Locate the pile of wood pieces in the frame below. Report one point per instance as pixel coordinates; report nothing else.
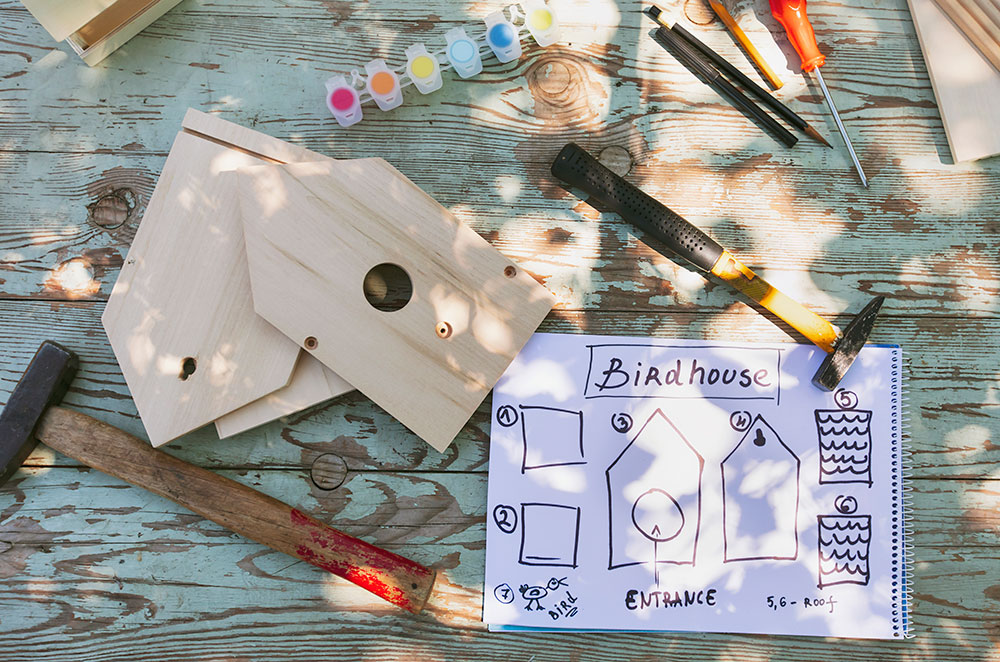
(257, 286)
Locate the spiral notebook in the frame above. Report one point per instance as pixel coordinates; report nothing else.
(650, 484)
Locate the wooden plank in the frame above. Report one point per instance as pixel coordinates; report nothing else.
(977, 25)
(112, 28)
(130, 569)
(316, 232)
(953, 429)
(311, 383)
(66, 220)
(180, 318)
(966, 85)
(63, 18)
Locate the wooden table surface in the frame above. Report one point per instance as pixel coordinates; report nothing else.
(91, 568)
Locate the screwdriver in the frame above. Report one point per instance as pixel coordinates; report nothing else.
(792, 16)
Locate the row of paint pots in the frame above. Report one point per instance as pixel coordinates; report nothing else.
(424, 68)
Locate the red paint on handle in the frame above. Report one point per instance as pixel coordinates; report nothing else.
(792, 16)
(392, 577)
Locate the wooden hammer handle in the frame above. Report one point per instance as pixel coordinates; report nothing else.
(237, 507)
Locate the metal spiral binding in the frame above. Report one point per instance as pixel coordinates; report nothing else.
(902, 547)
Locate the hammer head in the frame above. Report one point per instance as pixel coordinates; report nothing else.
(43, 384)
(837, 362)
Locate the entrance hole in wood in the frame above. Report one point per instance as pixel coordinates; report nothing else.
(188, 366)
(388, 287)
(311, 342)
(443, 329)
(510, 271)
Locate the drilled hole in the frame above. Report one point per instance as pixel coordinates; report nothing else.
(443, 329)
(311, 342)
(510, 271)
(387, 287)
(188, 366)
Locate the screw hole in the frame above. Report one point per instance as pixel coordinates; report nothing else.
(510, 271)
(443, 329)
(188, 366)
(311, 342)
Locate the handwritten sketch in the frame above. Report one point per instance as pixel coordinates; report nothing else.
(659, 517)
(504, 594)
(844, 545)
(550, 534)
(505, 518)
(654, 498)
(535, 594)
(760, 497)
(552, 437)
(845, 442)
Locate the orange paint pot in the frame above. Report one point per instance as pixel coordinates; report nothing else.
(383, 85)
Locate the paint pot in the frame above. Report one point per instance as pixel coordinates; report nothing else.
(502, 37)
(343, 101)
(463, 53)
(423, 69)
(383, 85)
(541, 22)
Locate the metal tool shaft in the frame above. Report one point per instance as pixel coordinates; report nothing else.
(840, 125)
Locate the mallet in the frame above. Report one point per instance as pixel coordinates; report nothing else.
(31, 414)
(577, 168)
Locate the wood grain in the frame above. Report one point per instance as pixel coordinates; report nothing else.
(91, 568)
(315, 232)
(310, 384)
(237, 507)
(180, 317)
(966, 81)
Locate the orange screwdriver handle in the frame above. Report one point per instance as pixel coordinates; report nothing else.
(792, 16)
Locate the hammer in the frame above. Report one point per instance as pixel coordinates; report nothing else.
(31, 415)
(577, 168)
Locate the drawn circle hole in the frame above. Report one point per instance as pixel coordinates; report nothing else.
(387, 287)
(188, 366)
(510, 271)
(657, 515)
(311, 342)
(443, 329)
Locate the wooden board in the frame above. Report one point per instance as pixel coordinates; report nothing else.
(62, 18)
(182, 300)
(966, 85)
(112, 28)
(311, 383)
(114, 568)
(314, 231)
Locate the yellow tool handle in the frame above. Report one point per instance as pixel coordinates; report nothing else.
(800, 318)
(744, 40)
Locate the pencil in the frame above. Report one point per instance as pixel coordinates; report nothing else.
(784, 111)
(689, 57)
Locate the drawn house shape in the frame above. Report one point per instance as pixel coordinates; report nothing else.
(845, 444)
(552, 437)
(760, 497)
(658, 461)
(844, 543)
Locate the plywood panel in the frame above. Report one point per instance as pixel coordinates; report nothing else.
(314, 231)
(966, 85)
(311, 383)
(180, 317)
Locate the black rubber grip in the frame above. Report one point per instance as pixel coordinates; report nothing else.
(577, 168)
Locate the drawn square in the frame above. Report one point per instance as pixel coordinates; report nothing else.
(549, 534)
(552, 437)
